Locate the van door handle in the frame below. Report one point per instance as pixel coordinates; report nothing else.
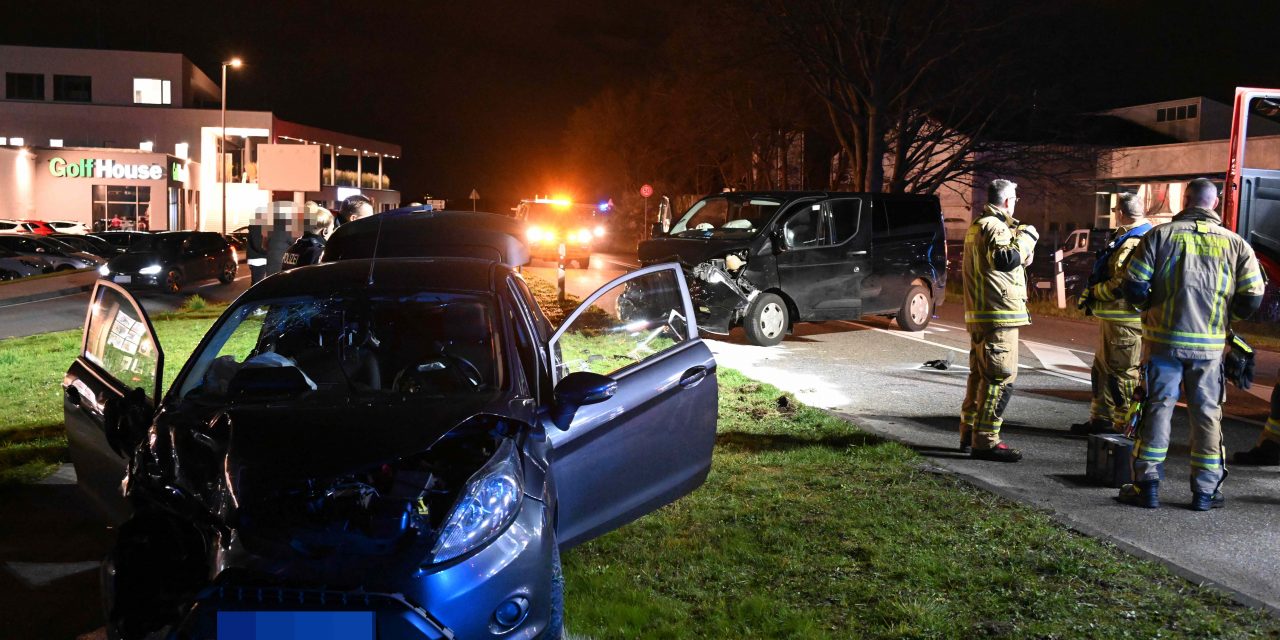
(693, 376)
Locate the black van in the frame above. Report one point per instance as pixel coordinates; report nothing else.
(768, 259)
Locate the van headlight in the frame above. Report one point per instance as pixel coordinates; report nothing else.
(486, 506)
(103, 270)
(150, 271)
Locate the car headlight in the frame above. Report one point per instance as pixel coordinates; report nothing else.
(104, 270)
(486, 506)
(150, 271)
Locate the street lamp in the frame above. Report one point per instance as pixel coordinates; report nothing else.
(222, 140)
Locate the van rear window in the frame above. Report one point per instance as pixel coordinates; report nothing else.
(912, 218)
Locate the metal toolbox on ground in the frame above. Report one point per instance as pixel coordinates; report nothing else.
(1109, 459)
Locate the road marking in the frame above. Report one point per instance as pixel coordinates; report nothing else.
(40, 574)
(904, 336)
(1055, 358)
(1084, 351)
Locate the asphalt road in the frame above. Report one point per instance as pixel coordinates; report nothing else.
(67, 312)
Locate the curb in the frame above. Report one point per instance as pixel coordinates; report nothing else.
(45, 295)
(1066, 520)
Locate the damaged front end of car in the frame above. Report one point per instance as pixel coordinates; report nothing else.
(260, 512)
(721, 291)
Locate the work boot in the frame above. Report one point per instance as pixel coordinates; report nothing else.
(1207, 501)
(999, 453)
(1141, 494)
(1091, 427)
(966, 443)
(1266, 454)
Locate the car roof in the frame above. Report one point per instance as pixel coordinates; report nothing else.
(421, 232)
(470, 275)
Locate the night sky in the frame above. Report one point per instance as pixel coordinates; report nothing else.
(478, 93)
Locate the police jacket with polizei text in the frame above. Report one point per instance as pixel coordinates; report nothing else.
(995, 284)
(1190, 276)
(1107, 296)
(305, 251)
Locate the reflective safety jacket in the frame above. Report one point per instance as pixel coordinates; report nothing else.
(1107, 296)
(995, 285)
(1190, 269)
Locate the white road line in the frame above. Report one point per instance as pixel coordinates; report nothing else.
(1084, 351)
(1055, 358)
(905, 336)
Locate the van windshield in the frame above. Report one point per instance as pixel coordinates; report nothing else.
(725, 216)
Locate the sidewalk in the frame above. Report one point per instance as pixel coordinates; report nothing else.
(46, 286)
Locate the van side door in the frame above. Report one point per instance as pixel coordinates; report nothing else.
(825, 256)
(907, 232)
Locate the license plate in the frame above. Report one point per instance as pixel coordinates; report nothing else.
(123, 279)
(1044, 285)
(295, 625)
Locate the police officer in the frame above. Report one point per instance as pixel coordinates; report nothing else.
(1267, 451)
(1119, 352)
(307, 250)
(354, 208)
(1190, 277)
(996, 250)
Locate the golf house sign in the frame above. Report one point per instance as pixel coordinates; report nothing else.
(110, 169)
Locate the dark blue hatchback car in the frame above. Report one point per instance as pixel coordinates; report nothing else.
(395, 447)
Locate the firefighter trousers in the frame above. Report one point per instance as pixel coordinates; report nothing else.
(1115, 372)
(1204, 385)
(993, 366)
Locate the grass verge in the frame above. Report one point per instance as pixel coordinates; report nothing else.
(806, 527)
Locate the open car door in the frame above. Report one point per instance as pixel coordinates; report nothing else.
(650, 442)
(110, 393)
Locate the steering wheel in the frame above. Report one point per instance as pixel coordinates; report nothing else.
(455, 369)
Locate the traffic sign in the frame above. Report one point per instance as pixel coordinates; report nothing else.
(475, 195)
(646, 191)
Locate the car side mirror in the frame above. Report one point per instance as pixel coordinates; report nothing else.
(779, 239)
(579, 389)
(125, 420)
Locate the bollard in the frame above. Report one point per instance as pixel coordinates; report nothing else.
(560, 276)
(1059, 279)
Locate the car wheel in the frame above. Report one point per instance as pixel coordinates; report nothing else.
(555, 622)
(916, 309)
(172, 281)
(767, 320)
(228, 274)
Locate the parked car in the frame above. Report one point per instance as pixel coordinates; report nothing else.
(62, 256)
(766, 260)
(87, 244)
(404, 442)
(11, 226)
(170, 259)
(69, 226)
(14, 265)
(37, 227)
(1076, 270)
(121, 240)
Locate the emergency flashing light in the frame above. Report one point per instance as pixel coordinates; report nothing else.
(604, 206)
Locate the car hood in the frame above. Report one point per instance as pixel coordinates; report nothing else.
(688, 251)
(284, 443)
(133, 261)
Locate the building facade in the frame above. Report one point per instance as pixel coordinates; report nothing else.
(73, 122)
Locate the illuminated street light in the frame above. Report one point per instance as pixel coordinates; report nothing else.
(222, 140)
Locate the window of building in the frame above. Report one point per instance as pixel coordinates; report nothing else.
(1160, 113)
(1170, 114)
(1191, 111)
(152, 91)
(24, 86)
(73, 88)
(118, 207)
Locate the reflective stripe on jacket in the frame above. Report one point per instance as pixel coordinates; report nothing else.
(1108, 296)
(993, 298)
(1193, 266)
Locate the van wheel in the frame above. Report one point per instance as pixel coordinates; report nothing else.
(767, 320)
(916, 308)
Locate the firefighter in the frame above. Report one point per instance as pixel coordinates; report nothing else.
(1190, 277)
(1267, 451)
(308, 248)
(1119, 352)
(996, 250)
